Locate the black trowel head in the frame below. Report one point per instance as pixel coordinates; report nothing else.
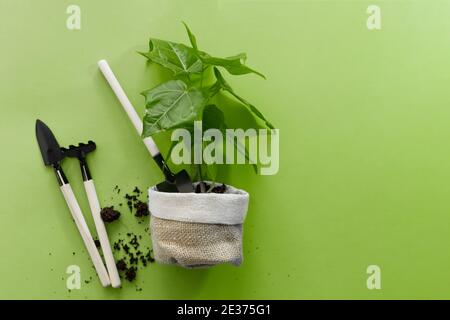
(181, 183)
(50, 150)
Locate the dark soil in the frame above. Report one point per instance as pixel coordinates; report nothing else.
(132, 255)
(128, 247)
(133, 198)
(221, 188)
(108, 214)
(130, 274)
(141, 209)
(121, 265)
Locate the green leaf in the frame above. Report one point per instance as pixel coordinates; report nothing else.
(214, 89)
(171, 105)
(179, 58)
(172, 145)
(213, 117)
(225, 86)
(243, 150)
(234, 65)
(191, 36)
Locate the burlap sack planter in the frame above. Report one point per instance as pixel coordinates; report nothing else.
(197, 229)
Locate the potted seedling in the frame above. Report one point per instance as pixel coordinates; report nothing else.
(201, 226)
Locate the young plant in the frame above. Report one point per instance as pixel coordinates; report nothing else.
(190, 95)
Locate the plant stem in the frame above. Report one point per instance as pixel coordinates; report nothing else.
(199, 167)
(202, 186)
(213, 184)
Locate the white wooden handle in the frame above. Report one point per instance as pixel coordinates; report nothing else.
(85, 234)
(101, 232)
(127, 106)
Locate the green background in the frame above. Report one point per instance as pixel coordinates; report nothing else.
(364, 155)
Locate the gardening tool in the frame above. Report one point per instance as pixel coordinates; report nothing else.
(179, 182)
(52, 156)
(80, 152)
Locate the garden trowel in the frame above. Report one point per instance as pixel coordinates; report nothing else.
(178, 182)
(52, 156)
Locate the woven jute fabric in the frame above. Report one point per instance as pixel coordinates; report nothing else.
(195, 244)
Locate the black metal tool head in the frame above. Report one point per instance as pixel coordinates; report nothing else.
(80, 151)
(181, 183)
(167, 186)
(50, 150)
